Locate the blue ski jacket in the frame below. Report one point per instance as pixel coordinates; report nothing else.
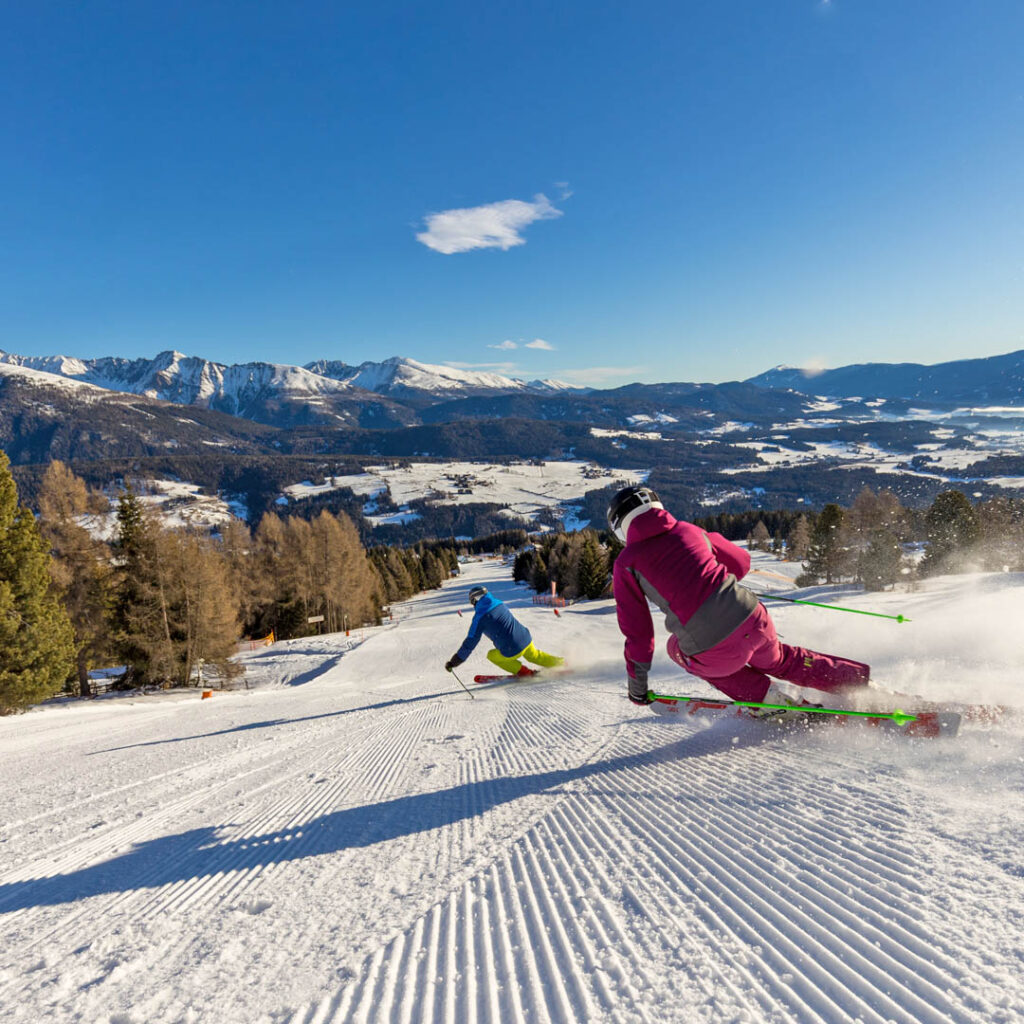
(492, 618)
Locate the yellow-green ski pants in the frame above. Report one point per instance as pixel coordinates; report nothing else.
(531, 654)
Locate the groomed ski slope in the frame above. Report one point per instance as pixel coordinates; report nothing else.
(357, 840)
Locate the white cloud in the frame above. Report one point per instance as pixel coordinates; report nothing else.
(541, 344)
(494, 226)
(506, 346)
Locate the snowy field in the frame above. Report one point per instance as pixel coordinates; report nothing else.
(528, 489)
(854, 455)
(521, 488)
(995, 431)
(355, 839)
(178, 505)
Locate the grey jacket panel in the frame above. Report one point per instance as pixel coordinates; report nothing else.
(717, 618)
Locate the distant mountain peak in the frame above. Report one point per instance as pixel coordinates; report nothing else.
(977, 381)
(399, 375)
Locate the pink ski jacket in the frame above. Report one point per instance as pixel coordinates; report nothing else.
(691, 575)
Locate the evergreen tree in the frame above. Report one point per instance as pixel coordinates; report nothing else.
(952, 530)
(36, 638)
(827, 558)
(879, 564)
(415, 570)
(141, 608)
(563, 563)
(539, 579)
(1000, 542)
(799, 541)
(452, 559)
(593, 569)
(614, 546)
(433, 570)
(522, 567)
(400, 585)
(872, 526)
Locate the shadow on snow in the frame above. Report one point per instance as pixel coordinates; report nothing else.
(270, 723)
(201, 852)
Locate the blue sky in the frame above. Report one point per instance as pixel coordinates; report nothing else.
(602, 192)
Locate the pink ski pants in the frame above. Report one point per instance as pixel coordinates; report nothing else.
(740, 665)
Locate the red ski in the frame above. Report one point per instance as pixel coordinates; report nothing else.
(507, 677)
(929, 724)
(983, 714)
(525, 675)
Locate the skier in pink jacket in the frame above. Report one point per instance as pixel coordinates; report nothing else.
(719, 631)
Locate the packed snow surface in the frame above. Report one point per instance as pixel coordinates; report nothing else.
(355, 839)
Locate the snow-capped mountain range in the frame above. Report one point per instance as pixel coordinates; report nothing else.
(386, 393)
(235, 389)
(778, 440)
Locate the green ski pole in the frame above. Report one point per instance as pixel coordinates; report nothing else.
(834, 607)
(897, 716)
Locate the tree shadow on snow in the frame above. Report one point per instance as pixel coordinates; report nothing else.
(202, 852)
(316, 672)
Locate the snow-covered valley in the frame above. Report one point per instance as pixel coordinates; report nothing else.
(354, 838)
(522, 489)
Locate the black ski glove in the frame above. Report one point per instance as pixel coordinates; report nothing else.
(452, 662)
(647, 698)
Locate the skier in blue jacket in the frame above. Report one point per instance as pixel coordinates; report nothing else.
(510, 637)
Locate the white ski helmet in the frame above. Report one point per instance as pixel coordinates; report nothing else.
(629, 503)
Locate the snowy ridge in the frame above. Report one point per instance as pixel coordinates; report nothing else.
(45, 378)
(185, 380)
(397, 375)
